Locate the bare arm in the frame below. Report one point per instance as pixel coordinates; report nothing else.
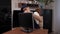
(37, 17)
(40, 20)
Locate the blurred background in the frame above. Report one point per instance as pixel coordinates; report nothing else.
(50, 12)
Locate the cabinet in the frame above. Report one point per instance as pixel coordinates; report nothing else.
(47, 19)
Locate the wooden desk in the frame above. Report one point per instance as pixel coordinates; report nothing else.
(39, 31)
(18, 31)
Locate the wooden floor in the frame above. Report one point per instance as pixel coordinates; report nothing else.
(18, 31)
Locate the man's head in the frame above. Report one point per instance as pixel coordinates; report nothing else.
(25, 7)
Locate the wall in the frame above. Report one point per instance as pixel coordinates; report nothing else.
(56, 17)
(15, 4)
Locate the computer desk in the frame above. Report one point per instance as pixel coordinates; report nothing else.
(17, 30)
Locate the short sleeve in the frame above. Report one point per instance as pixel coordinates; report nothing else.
(36, 13)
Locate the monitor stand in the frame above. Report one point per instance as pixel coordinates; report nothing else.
(27, 30)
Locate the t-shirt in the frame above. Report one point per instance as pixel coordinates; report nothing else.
(36, 13)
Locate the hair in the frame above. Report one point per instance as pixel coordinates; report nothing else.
(23, 6)
(38, 10)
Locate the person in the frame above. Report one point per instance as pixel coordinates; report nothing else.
(26, 9)
(38, 13)
(38, 10)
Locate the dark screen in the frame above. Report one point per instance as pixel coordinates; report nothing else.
(25, 20)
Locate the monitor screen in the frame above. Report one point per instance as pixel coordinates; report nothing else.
(26, 20)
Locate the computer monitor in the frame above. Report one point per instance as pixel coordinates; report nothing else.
(26, 20)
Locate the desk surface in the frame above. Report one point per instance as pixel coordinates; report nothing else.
(18, 31)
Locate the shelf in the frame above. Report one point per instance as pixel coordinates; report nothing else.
(30, 5)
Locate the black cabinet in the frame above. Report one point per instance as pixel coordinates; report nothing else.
(15, 18)
(5, 16)
(47, 19)
(5, 4)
